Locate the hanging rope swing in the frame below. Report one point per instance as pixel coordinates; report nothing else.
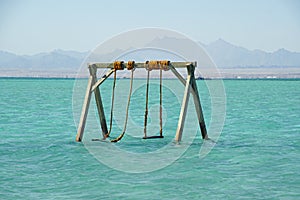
(149, 66)
(112, 103)
(118, 65)
(130, 66)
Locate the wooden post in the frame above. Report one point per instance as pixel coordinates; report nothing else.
(196, 98)
(184, 106)
(85, 109)
(198, 105)
(93, 72)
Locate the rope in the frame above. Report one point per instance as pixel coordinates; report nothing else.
(130, 66)
(112, 103)
(164, 64)
(146, 109)
(161, 65)
(160, 102)
(118, 65)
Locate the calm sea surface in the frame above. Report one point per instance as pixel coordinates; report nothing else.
(256, 157)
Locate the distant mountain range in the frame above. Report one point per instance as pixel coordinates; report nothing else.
(227, 55)
(224, 54)
(55, 60)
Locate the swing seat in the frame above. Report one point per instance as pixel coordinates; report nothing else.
(153, 137)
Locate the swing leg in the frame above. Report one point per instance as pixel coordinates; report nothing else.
(199, 110)
(183, 108)
(196, 98)
(99, 104)
(85, 109)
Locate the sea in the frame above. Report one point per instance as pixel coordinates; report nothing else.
(256, 154)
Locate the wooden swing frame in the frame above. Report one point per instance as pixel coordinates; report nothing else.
(189, 83)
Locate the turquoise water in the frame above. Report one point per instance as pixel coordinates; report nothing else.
(256, 157)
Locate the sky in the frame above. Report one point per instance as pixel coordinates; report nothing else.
(34, 26)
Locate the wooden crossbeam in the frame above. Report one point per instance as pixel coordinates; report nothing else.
(141, 65)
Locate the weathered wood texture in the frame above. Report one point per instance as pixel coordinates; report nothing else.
(196, 97)
(198, 107)
(84, 111)
(141, 65)
(93, 72)
(184, 106)
(100, 81)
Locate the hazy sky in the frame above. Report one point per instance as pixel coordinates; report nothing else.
(32, 26)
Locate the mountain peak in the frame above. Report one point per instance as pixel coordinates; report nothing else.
(282, 50)
(220, 40)
(220, 43)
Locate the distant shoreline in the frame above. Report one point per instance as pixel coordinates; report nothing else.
(202, 73)
(85, 78)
